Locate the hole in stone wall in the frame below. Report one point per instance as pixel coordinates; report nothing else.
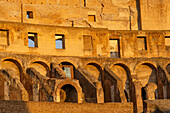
(141, 41)
(60, 41)
(114, 45)
(30, 14)
(92, 18)
(32, 40)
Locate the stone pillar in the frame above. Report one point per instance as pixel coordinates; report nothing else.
(138, 97)
(150, 91)
(99, 91)
(121, 91)
(36, 92)
(6, 90)
(55, 98)
(165, 91)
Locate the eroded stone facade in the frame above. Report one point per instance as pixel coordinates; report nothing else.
(86, 51)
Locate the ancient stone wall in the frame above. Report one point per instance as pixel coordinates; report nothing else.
(83, 41)
(51, 107)
(117, 15)
(151, 106)
(155, 14)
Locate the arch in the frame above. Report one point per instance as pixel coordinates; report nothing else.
(163, 74)
(167, 63)
(95, 63)
(43, 61)
(123, 72)
(146, 73)
(17, 63)
(149, 63)
(14, 59)
(74, 84)
(123, 64)
(42, 67)
(95, 69)
(69, 61)
(68, 93)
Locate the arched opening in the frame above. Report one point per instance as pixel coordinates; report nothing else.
(162, 83)
(96, 73)
(147, 75)
(86, 77)
(68, 93)
(119, 71)
(34, 88)
(95, 70)
(68, 68)
(15, 66)
(34, 84)
(40, 67)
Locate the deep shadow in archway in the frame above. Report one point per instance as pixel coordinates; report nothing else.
(68, 93)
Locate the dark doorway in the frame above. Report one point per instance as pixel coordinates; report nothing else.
(69, 94)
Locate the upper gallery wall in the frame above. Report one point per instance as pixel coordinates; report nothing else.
(155, 14)
(111, 14)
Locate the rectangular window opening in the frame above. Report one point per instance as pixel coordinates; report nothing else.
(30, 14)
(4, 38)
(92, 18)
(60, 41)
(32, 40)
(114, 45)
(142, 44)
(167, 43)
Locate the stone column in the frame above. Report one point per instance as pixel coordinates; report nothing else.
(168, 91)
(121, 91)
(36, 92)
(99, 91)
(150, 91)
(6, 90)
(138, 97)
(165, 91)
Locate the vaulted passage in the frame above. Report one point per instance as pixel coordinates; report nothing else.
(68, 94)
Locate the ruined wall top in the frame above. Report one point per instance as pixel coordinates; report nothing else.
(111, 14)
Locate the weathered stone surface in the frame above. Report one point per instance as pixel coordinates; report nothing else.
(51, 107)
(84, 51)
